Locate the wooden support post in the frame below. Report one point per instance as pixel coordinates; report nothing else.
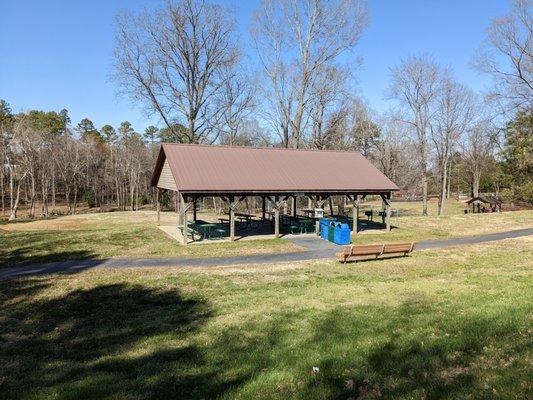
(264, 208)
(158, 205)
(294, 206)
(276, 221)
(194, 210)
(231, 219)
(386, 206)
(355, 215)
(387, 218)
(232, 207)
(277, 202)
(184, 207)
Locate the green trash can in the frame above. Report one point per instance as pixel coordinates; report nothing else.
(331, 230)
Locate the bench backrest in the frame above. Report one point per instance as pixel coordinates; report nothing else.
(398, 248)
(365, 250)
(378, 249)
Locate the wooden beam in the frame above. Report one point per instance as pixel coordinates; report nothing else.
(231, 220)
(386, 209)
(158, 205)
(355, 214)
(185, 205)
(277, 202)
(385, 199)
(387, 218)
(232, 207)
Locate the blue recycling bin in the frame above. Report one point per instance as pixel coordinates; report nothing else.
(324, 223)
(341, 234)
(331, 230)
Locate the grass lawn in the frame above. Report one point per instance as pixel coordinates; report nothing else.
(116, 234)
(134, 234)
(413, 227)
(453, 323)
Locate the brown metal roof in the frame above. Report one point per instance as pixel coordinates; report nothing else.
(224, 169)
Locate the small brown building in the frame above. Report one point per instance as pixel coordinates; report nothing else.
(273, 174)
(485, 204)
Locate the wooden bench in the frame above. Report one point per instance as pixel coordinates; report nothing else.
(373, 251)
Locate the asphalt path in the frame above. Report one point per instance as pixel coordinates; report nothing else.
(315, 249)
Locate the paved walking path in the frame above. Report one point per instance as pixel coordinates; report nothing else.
(316, 249)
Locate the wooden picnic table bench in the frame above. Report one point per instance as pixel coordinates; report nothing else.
(373, 251)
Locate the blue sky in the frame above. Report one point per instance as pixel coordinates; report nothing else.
(57, 54)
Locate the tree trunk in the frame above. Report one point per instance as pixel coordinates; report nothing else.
(75, 201)
(53, 189)
(443, 187)
(2, 190)
(424, 194)
(32, 199)
(15, 204)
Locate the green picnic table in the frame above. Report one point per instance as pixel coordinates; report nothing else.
(304, 226)
(208, 230)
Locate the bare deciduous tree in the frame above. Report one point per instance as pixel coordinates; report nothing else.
(478, 148)
(173, 61)
(236, 102)
(507, 56)
(415, 84)
(454, 114)
(297, 40)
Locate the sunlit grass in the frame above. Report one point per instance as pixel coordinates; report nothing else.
(135, 234)
(440, 324)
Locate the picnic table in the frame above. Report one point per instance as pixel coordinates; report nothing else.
(246, 218)
(209, 231)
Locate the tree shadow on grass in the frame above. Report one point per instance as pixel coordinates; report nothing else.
(402, 364)
(113, 340)
(130, 341)
(28, 248)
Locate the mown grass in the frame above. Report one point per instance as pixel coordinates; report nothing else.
(439, 324)
(416, 228)
(117, 234)
(134, 234)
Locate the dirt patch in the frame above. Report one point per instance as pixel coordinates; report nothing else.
(47, 225)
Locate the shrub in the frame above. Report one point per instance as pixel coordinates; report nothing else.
(90, 199)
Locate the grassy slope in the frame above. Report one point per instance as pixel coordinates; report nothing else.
(439, 324)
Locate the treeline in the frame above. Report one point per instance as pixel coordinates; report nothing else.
(185, 65)
(45, 162)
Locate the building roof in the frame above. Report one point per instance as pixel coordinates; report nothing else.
(486, 199)
(202, 169)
